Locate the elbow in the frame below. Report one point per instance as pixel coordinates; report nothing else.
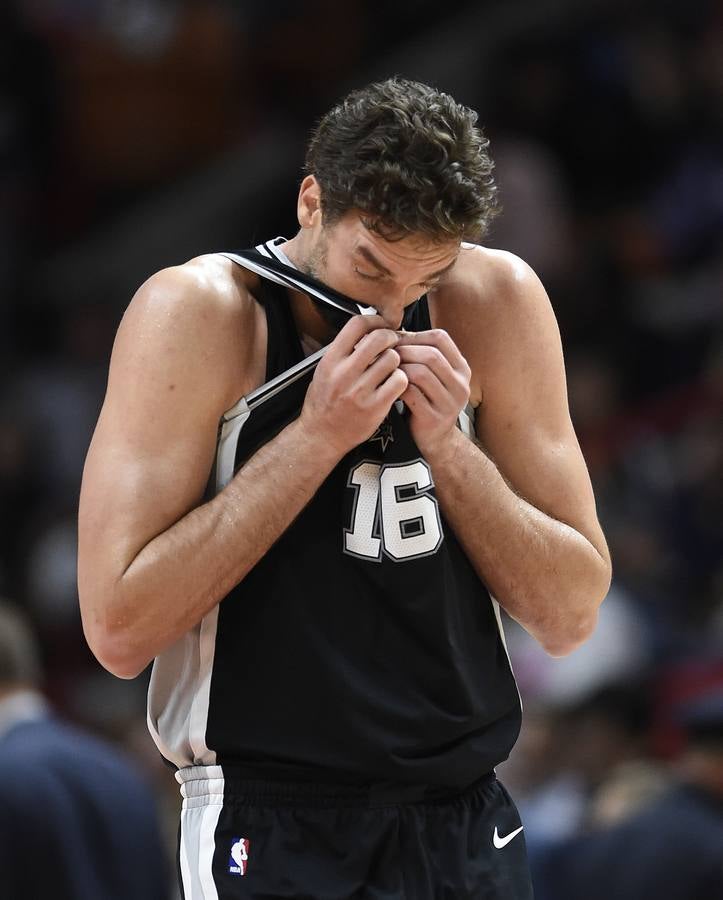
(562, 641)
(113, 644)
(122, 665)
(579, 626)
(115, 652)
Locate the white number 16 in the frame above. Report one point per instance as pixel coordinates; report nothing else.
(397, 497)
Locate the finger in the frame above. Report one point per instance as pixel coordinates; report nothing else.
(436, 337)
(379, 370)
(370, 347)
(415, 400)
(392, 389)
(351, 334)
(426, 381)
(432, 358)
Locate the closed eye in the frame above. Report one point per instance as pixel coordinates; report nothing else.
(368, 277)
(425, 285)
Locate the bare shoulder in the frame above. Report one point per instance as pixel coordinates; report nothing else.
(495, 308)
(495, 283)
(180, 358)
(201, 315)
(202, 290)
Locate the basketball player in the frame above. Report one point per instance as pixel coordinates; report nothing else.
(320, 466)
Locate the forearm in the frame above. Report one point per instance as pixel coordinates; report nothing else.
(546, 574)
(181, 574)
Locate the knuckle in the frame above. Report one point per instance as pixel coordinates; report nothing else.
(463, 394)
(329, 374)
(362, 402)
(362, 343)
(360, 325)
(376, 341)
(353, 326)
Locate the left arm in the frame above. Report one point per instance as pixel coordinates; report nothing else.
(520, 500)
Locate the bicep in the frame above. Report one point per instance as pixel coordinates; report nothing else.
(135, 486)
(150, 456)
(524, 423)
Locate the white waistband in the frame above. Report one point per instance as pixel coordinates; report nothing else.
(201, 783)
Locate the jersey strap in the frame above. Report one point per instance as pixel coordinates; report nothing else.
(234, 419)
(336, 307)
(341, 308)
(261, 261)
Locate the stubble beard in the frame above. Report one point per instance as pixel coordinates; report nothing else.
(315, 266)
(315, 262)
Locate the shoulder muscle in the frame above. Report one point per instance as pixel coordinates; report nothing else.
(181, 353)
(512, 343)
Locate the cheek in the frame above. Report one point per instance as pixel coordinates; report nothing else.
(335, 271)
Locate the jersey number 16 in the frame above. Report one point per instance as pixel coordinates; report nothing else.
(394, 512)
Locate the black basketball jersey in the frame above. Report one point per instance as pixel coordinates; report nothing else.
(362, 647)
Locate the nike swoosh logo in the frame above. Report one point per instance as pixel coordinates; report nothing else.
(501, 842)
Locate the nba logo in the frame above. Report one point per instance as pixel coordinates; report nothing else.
(239, 856)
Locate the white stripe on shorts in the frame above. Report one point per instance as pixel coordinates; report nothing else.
(202, 791)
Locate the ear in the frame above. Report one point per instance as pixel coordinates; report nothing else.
(308, 206)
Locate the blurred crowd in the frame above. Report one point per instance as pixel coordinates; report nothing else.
(607, 132)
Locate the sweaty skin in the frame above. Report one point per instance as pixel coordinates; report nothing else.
(154, 559)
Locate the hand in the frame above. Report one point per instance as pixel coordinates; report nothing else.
(439, 386)
(354, 385)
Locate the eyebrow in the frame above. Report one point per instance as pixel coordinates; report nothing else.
(369, 257)
(380, 267)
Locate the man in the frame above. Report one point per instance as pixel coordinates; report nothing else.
(330, 677)
(76, 822)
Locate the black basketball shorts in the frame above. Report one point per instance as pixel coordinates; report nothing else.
(254, 840)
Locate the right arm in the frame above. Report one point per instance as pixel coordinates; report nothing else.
(152, 558)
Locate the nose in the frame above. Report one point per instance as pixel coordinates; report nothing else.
(394, 322)
(393, 304)
(393, 312)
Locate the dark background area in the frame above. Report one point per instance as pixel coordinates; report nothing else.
(136, 135)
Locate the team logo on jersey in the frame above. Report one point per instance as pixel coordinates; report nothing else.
(239, 858)
(384, 434)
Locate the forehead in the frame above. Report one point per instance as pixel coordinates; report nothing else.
(351, 235)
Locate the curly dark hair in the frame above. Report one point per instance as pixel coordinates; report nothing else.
(410, 157)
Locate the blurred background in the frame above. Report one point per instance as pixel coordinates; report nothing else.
(135, 134)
